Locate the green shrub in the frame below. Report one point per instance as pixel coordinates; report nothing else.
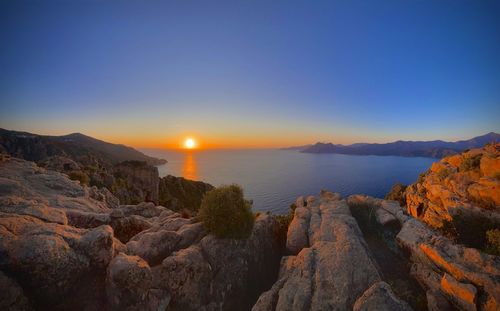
(493, 241)
(80, 176)
(226, 213)
(471, 163)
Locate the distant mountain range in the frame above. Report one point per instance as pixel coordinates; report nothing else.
(35, 147)
(434, 149)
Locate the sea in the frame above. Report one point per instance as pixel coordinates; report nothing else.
(273, 179)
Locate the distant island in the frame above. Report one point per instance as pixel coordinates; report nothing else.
(433, 149)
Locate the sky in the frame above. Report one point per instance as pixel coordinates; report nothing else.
(251, 73)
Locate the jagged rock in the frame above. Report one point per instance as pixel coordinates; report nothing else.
(332, 269)
(380, 297)
(435, 255)
(461, 184)
(57, 239)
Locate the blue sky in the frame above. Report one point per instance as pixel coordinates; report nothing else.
(251, 73)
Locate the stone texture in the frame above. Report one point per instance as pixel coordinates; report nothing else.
(435, 256)
(332, 267)
(380, 297)
(464, 295)
(466, 183)
(142, 180)
(129, 285)
(58, 244)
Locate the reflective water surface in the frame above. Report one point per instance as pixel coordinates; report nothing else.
(274, 178)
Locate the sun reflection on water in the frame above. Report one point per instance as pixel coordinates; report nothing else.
(189, 167)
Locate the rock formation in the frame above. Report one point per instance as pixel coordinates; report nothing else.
(454, 276)
(140, 180)
(178, 193)
(464, 184)
(329, 267)
(67, 246)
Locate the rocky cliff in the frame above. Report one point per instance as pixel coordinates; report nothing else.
(67, 246)
(460, 195)
(127, 173)
(329, 266)
(178, 193)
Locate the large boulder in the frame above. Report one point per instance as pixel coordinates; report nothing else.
(129, 285)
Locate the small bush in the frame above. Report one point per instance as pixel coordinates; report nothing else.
(471, 163)
(80, 176)
(226, 213)
(493, 241)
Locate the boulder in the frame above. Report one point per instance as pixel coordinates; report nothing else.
(129, 285)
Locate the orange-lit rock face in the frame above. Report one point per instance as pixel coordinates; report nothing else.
(469, 181)
(463, 295)
(490, 166)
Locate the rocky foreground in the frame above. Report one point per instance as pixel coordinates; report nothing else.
(67, 246)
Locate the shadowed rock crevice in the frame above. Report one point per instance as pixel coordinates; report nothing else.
(393, 265)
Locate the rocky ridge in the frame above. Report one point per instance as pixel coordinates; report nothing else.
(454, 276)
(329, 262)
(67, 246)
(465, 184)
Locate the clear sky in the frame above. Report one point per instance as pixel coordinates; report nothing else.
(251, 73)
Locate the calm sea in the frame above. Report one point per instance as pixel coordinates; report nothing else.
(273, 179)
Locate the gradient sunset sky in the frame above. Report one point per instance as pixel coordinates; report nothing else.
(251, 73)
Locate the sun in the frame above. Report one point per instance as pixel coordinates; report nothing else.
(189, 143)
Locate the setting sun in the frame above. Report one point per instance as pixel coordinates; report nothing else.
(189, 143)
